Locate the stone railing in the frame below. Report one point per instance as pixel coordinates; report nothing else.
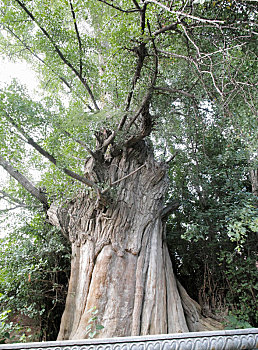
(217, 340)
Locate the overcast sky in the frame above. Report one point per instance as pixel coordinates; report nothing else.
(22, 72)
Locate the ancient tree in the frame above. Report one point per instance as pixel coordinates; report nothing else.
(129, 69)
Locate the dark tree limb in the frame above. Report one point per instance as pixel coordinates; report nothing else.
(172, 26)
(143, 110)
(141, 52)
(34, 191)
(172, 91)
(119, 8)
(172, 157)
(142, 14)
(77, 34)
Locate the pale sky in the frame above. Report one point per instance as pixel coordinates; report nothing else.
(22, 72)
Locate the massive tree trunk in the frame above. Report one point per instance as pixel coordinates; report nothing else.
(120, 261)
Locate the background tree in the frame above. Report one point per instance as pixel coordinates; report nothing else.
(114, 73)
(213, 235)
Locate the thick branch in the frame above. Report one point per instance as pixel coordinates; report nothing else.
(169, 209)
(112, 136)
(142, 14)
(172, 91)
(167, 28)
(145, 101)
(141, 53)
(144, 107)
(34, 191)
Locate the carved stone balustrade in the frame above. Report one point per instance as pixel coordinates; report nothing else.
(215, 340)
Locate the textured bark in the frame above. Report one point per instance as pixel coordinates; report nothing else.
(120, 261)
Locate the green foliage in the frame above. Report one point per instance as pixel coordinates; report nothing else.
(235, 323)
(212, 236)
(93, 327)
(12, 331)
(6, 327)
(34, 269)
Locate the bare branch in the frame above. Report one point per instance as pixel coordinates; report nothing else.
(213, 79)
(198, 69)
(170, 90)
(164, 29)
(191, 40)
(119, 8)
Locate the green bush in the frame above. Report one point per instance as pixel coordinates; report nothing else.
(34, 271)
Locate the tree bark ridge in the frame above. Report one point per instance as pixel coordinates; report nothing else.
(120, 260)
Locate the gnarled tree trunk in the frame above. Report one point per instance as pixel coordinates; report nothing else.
(120, 261)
